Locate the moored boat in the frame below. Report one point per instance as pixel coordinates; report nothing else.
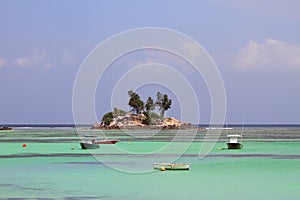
(5, 128)
(172, 166)
(233, 142)
(89, 145)
(106, 141)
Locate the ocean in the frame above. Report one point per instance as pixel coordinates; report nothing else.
(53, 166)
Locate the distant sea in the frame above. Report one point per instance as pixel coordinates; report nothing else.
(200, 125)
(245, 126)
(53, 166)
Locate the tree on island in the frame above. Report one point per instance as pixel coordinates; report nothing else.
(135, 102)
(119, 112)
(163, 102)
(139, 107)
(149, 105)
(108, 118)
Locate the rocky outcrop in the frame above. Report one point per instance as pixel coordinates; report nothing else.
(133, 121)
(172, 123)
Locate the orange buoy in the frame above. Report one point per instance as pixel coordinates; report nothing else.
(24, 145)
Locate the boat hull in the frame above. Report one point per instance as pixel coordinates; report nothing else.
(171, 166)
(89, 145)
(5, 128)
(107, 141)
(234, 146)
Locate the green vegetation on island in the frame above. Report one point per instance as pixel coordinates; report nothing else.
(141, 114)
(138, 106)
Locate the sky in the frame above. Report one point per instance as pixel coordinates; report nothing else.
(254, 44)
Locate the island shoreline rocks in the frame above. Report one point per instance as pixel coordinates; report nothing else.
(142, 115)
(133, 121)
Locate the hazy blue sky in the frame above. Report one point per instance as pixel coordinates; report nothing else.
(255, 44)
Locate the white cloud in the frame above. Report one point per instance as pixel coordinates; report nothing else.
(68, 57)
(39, 59)
(270, 54)
(2, 62)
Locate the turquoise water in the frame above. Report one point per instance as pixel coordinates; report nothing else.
(50, 169)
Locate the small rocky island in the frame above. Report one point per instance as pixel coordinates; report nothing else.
(142, 115)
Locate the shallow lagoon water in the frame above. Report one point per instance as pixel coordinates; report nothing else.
(267, 167)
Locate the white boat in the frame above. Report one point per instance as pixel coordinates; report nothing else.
(91, 144)
(233, 141)
(172, 166)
